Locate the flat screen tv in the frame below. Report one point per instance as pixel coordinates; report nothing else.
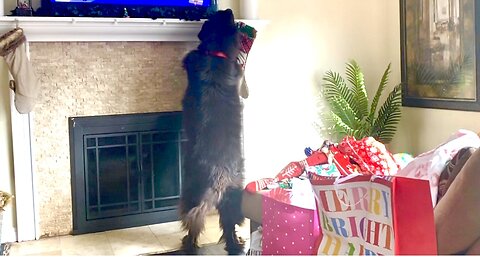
(181, 9)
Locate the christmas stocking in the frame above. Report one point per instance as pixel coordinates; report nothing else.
(24, 83)
(247, 35)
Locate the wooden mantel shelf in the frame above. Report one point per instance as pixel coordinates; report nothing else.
(58, 29)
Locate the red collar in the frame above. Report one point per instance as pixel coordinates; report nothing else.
(217, 54)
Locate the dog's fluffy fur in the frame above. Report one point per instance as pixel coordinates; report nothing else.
(212, 117)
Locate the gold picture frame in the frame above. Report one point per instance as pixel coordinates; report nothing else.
(439, 54)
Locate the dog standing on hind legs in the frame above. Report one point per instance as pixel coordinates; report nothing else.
(212, 120)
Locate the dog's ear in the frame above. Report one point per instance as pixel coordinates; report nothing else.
(221, 23)
(205, 31)
(224, 17)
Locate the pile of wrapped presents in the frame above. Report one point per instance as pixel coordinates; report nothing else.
(352, 197)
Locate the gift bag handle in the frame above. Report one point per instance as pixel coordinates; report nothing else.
(342, 179)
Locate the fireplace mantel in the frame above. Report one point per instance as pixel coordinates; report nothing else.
(60, 29)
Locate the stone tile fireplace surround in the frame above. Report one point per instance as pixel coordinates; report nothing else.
(93, 78)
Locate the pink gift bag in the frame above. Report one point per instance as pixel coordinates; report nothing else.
(290, 220)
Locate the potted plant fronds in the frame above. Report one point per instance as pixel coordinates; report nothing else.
(351, 114)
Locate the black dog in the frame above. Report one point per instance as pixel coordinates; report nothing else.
(212, 119)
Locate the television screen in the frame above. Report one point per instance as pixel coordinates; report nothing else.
(142, 2)
(181, 9)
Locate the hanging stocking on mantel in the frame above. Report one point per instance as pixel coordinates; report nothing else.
(247, 36)
(25, 85)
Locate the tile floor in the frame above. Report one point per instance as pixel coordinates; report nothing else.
(131, 241)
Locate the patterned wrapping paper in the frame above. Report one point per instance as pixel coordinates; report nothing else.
(328, 170)
(248, 35)
(342, 162)
(371, 156)
(259, 184)
(292, 170)
(366, 156)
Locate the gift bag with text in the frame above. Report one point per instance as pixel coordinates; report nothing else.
(374, 215)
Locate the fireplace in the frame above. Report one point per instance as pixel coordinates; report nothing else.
(104, 66)
(114, 78)
(126, 170)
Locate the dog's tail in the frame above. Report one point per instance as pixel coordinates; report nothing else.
(193, 219)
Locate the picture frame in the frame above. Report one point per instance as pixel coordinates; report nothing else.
(24, 8)
(439, 54)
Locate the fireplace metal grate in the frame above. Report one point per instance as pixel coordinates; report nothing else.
(126, 170)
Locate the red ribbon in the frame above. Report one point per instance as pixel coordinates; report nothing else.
(217, 54)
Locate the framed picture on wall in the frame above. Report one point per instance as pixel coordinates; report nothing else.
(439, 54)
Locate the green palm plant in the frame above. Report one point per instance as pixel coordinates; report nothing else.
(350, 113)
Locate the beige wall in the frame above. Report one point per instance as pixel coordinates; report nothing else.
(10, 5)
(424, 129)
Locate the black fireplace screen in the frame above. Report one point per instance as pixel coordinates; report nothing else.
(126, 170)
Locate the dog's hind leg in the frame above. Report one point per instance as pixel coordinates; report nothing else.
(230, 213)
(193, 220)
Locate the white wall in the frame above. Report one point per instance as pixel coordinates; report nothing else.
(6, 156)
(6, 163)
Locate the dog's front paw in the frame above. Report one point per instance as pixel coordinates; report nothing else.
(238, 249)
(236, 246)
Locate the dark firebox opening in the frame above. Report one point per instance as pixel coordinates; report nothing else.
(126, 170)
